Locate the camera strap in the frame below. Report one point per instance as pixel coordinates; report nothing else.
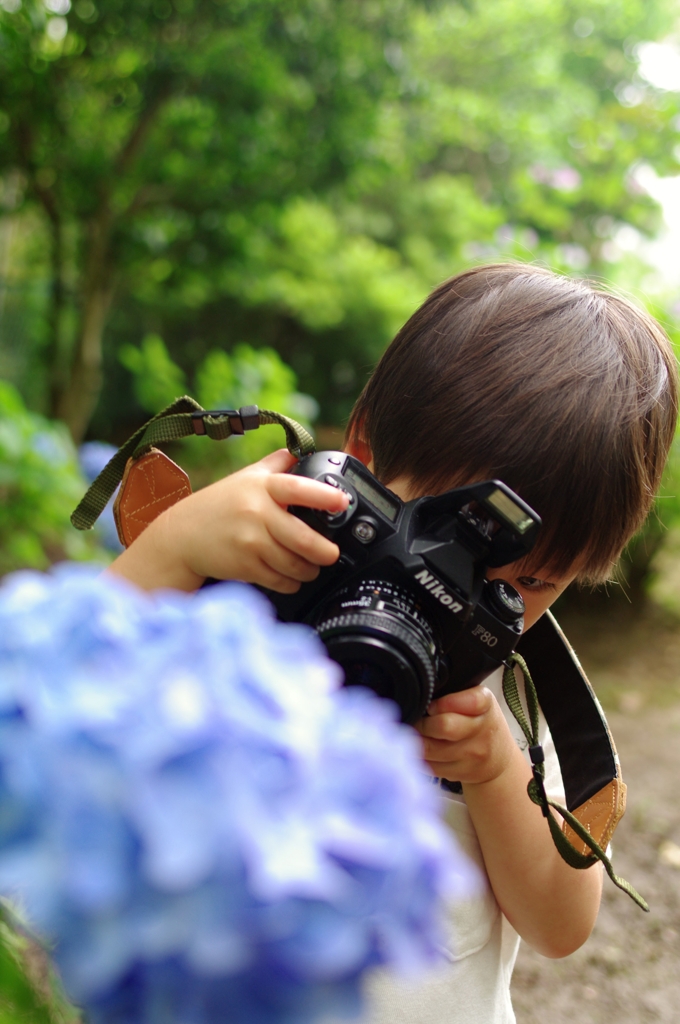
(181, 418)
(536, 788)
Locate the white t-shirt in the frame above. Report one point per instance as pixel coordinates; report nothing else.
(472, 985)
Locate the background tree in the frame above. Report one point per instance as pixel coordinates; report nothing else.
(295, 175)
(138, 124)
(298, 174)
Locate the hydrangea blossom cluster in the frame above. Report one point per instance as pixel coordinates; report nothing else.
(206, 826)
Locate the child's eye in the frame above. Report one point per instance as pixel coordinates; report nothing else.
(533, 583)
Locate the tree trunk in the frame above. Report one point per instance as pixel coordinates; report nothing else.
(78, 398)
(57, 367)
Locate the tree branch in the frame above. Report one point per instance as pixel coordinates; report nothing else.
(44, 194)
(140, 131)
(145, 196)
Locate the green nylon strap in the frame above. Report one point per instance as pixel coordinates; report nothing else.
(536, 790)
(176, 421)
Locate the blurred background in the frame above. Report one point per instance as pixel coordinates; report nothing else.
(243, 200)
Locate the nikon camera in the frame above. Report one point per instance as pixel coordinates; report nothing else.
(407, 611)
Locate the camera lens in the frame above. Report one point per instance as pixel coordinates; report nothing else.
(376, 631)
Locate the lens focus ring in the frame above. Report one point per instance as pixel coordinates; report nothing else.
(376, 623)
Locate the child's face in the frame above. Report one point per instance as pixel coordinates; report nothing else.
(539, 590)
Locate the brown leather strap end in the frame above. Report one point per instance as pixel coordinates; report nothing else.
(150, 485)
(599, 815)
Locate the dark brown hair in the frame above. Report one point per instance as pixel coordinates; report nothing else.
(565, 392)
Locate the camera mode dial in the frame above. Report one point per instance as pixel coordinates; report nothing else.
(336, 519)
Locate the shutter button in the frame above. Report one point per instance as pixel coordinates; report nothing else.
(332, 482)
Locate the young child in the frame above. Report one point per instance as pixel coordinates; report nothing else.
(569, 396)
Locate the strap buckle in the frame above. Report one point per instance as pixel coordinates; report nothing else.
(537, 761)
(240, 420)
(536, 754)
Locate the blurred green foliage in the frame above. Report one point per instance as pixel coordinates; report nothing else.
(639, 563)
(19, 1003)
(297, 175)
(147, 135)
(246, 376)
(157, 380)
(29, 991)
(40, 484)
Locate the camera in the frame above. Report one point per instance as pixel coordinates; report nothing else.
(407, 610)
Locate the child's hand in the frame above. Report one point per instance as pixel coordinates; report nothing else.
(466, 737)
(238, 528)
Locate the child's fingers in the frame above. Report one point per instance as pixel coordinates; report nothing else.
(298, 490)
(475, 701)
(273, 580)
(443, 759)
(447, 729)
(443, 762)
(285, 562)
(294, 535)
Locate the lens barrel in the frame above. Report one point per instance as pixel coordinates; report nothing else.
(377, 634)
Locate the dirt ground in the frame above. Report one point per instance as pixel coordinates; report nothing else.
(629, 970)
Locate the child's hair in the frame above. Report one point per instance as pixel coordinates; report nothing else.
(566, 393)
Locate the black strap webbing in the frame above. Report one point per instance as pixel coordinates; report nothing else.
(183, 418)
(536, 788)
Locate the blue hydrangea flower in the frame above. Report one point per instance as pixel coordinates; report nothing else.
(206, 826)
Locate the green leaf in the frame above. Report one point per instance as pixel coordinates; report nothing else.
(157, 379)
(40, 484)
(30, 992)
(247, 376)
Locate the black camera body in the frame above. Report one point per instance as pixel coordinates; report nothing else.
(407, 610)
